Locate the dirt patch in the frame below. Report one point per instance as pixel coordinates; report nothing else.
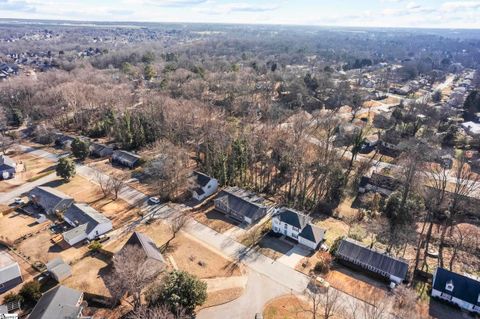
(39, 247)
(214, 219)
(287, 307)
(221, 297)
(87, 275)
(273, 247)
(356, 284)
(16, 225)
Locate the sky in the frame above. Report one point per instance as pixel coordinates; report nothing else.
(367, 13)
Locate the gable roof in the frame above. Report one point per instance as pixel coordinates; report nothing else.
(146, 243)
(59, 268)
(352, 250)
(6, 162)
(97, 148)
(9, 268)
(241, 202)
(58, 303)
(126, 156)
(464, 288)
(48, 197)
(292, 217)
(385, 181)
(312, 233)
(85, 217)
(201, 179)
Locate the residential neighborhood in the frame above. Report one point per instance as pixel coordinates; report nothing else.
(210, 170)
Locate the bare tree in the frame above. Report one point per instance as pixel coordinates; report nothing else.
(175, 225)
(161, 312)
(379, 308)
(132, 272)
(324, 302)
(104, 182)
(117, 184)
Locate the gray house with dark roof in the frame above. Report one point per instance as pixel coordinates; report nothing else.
(10, 274)
(88, 223)
(241, 205)
(8, 167)
(353, 253)
(60, 302)
(142, 241)
(297, 226)
(457, 289)
(125, 158)
(49, 199)
(63, 140)
(100, 150)
(204, 186)
(379, 183)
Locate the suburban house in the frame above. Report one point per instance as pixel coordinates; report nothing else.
(353, 253)
(59, 303)
(378, 183)
(49, 199)
(88, 223)
(100, 150)
(58, 269)
(146, 244)
(10, 274)
(63, 141)
(297, 226)
(457, 289)
(125, 158)
(241, 205)
(205, 186)
(8, 167)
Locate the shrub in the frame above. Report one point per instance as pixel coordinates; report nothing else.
(95, 246)
(324, 263)
(30, 293)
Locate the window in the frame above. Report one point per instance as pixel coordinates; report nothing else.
(209, 186)
(478, 300)
(449, 286)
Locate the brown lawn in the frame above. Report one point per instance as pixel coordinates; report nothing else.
(221, 297)
(287, 307)
(356, 284)
(87, 275)
(214, 219)
(15, 225)
(335, 228)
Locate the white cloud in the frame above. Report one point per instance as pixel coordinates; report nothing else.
(459, 6)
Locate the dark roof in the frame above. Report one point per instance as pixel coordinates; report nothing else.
(241, 202)
(126, 156)
(292, 217)
(146, 243)
(313, 233)
(98, 149)
(48, 197)
(464, 288)
(58, 303)
(384, 181)
(85, 217)
(6, 162)
(201, 179)
(350, 249)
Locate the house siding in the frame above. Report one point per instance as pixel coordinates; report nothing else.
(208, 190)
(100, 230)
(461, 303)
(308, 243)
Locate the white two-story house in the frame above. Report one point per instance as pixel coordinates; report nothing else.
(297, 226)
(204, 186)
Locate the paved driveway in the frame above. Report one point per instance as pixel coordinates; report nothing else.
(294, 256)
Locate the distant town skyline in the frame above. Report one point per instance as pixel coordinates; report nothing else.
(368, 13)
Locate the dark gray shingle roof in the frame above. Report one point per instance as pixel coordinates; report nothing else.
(58, 303)
(292, 217)
(146, 243)
(350, 249)
(313, 233)
(201, 179)
(241, 202)
(464, 288)
(125, 156)
(48, 197)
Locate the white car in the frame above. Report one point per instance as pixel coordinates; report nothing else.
(154, 200)
(18, 201)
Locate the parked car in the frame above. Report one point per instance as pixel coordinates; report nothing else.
(319, 281)
(18, 201)
(258, 316)
(154, 200)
